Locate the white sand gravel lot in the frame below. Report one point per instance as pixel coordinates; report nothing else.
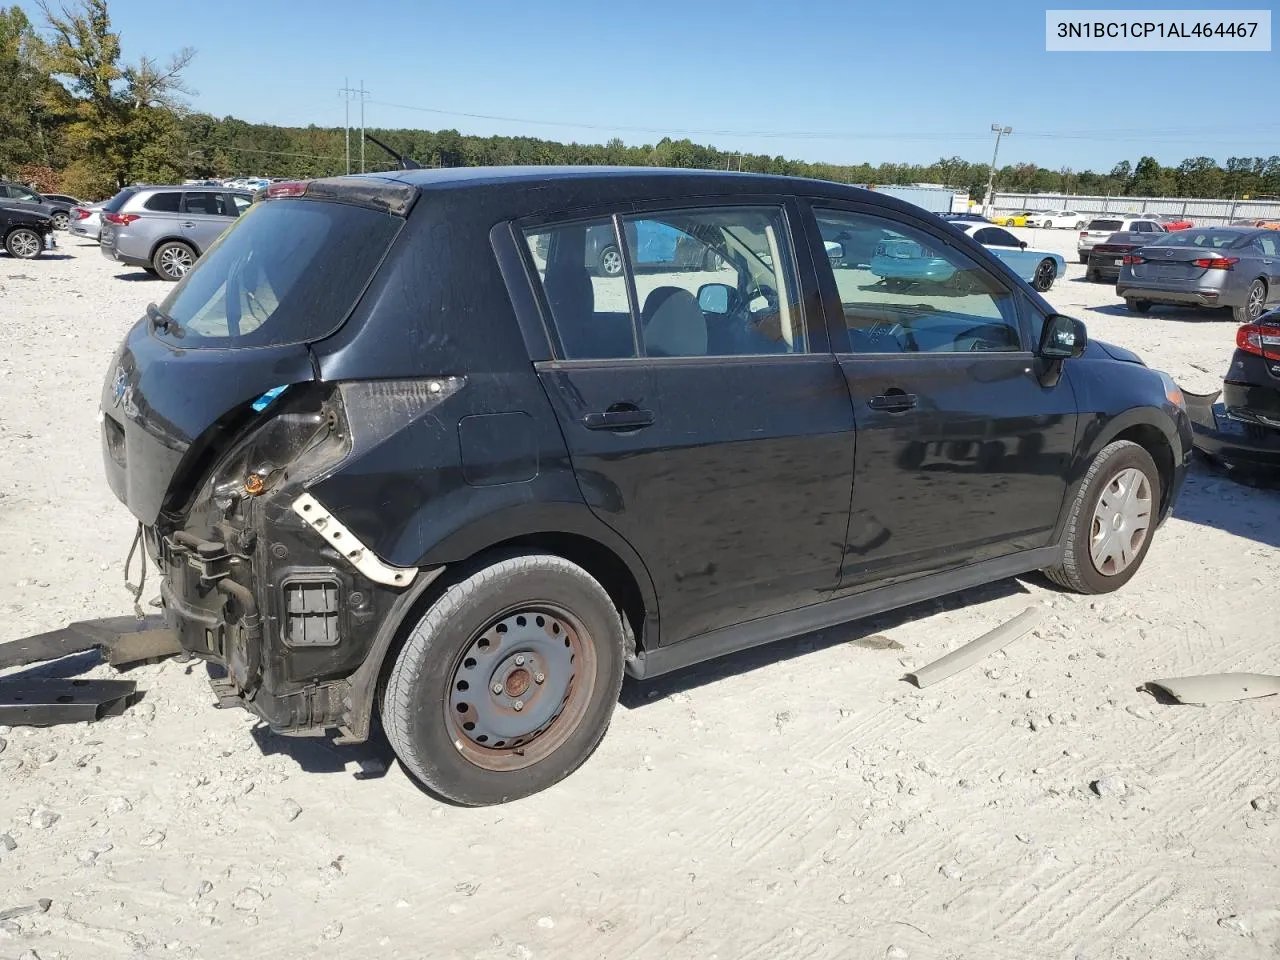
(799, 800)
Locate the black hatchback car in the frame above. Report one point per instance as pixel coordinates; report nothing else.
(396, 449)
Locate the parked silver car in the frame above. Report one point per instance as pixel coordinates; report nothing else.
(164, 230)
(86, 221)
(1234, 267)
(1098, 229)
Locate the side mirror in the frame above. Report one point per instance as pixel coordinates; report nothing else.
(715, 298)
(1022, 244)
(1063, 337)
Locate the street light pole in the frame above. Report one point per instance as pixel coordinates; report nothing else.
(999, 131)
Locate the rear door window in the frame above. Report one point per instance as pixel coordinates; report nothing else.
(290, 272)
(1110, 226)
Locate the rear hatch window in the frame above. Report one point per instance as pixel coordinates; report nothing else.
(288, 271)
(1111, 225)
(119, 200)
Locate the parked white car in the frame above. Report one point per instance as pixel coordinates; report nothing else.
(86, 221)
(1061, 219)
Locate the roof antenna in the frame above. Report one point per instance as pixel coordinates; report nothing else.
(405, 162)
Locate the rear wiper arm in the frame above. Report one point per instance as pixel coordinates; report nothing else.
(160, 320)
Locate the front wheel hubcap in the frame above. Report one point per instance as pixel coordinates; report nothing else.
(26, 244)
(520, 688)
(1121, 522)
(612, 262)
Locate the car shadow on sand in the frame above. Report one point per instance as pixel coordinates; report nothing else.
(132, 277)
(637, 693)
(1176, 314)
(1215, 497)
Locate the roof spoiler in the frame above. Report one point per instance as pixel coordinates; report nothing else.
(391, 196)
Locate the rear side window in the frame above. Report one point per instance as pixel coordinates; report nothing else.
(162, 202)
(1112, 225)
(289, 271)
(208, 204)
(119, 200)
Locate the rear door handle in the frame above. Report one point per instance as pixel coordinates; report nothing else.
(188, 224)
(893, 402)
(630, 419)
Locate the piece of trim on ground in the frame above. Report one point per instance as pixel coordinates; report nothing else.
(37, 702)
(1219, 687)
(320, 520)
(975, 650)
(121, 638)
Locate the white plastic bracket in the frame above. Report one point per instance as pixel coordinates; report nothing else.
(345, 542)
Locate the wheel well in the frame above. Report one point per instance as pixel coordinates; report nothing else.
(182, 240)
(609, 570)
(1157, 445)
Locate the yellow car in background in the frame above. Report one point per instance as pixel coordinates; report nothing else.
(1018, 219)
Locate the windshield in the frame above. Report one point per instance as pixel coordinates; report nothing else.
(1112, 225)
(288, 271)
(1197, 238)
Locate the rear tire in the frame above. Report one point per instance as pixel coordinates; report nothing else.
(1255, 303)
(1048, 224)
(1138, 306)
(24, 243)
(1092, 276)
(172, 260)
(1087, 533)
(610, 264)
(1084, 258)
(466, 741)
(60, 220)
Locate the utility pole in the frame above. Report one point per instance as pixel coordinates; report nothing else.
(999, 131)
(364, 95)
(346, 93)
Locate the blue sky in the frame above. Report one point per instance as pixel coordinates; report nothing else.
(844, 82)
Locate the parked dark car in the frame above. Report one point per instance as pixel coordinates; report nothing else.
(59, 211)
(1243, 431)
(1104, 259)
(388, 459)
(24, 232)
(965, 217)
(1237, 268)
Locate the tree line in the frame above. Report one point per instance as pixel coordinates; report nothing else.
(74, 118)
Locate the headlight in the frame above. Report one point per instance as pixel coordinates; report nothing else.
(1172, 392)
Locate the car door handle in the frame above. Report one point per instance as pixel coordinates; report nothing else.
(188, 223)
(631, 418)
(893, 402)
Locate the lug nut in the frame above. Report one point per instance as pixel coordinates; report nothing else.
(519, 661)
(519, 705)
(497, 688)
(538, 678)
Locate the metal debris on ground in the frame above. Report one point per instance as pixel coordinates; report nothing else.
(975, 650)
(124, 640)
(38, 702)
(40, 906)
(1219, 687)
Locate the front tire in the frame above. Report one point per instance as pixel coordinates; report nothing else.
(1046, 273)
(535, 630)
(610, 262)
(24, 244)
(1048, 224)
(172, 260)
(1254, 304)
(1111, 522)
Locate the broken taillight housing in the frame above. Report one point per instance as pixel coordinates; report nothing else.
(1261, 340)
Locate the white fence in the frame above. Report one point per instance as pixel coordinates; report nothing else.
(1202, 212)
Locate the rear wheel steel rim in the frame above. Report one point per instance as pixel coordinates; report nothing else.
(175, 261)
(24, 243)
(520, 687)
(1121, 522)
